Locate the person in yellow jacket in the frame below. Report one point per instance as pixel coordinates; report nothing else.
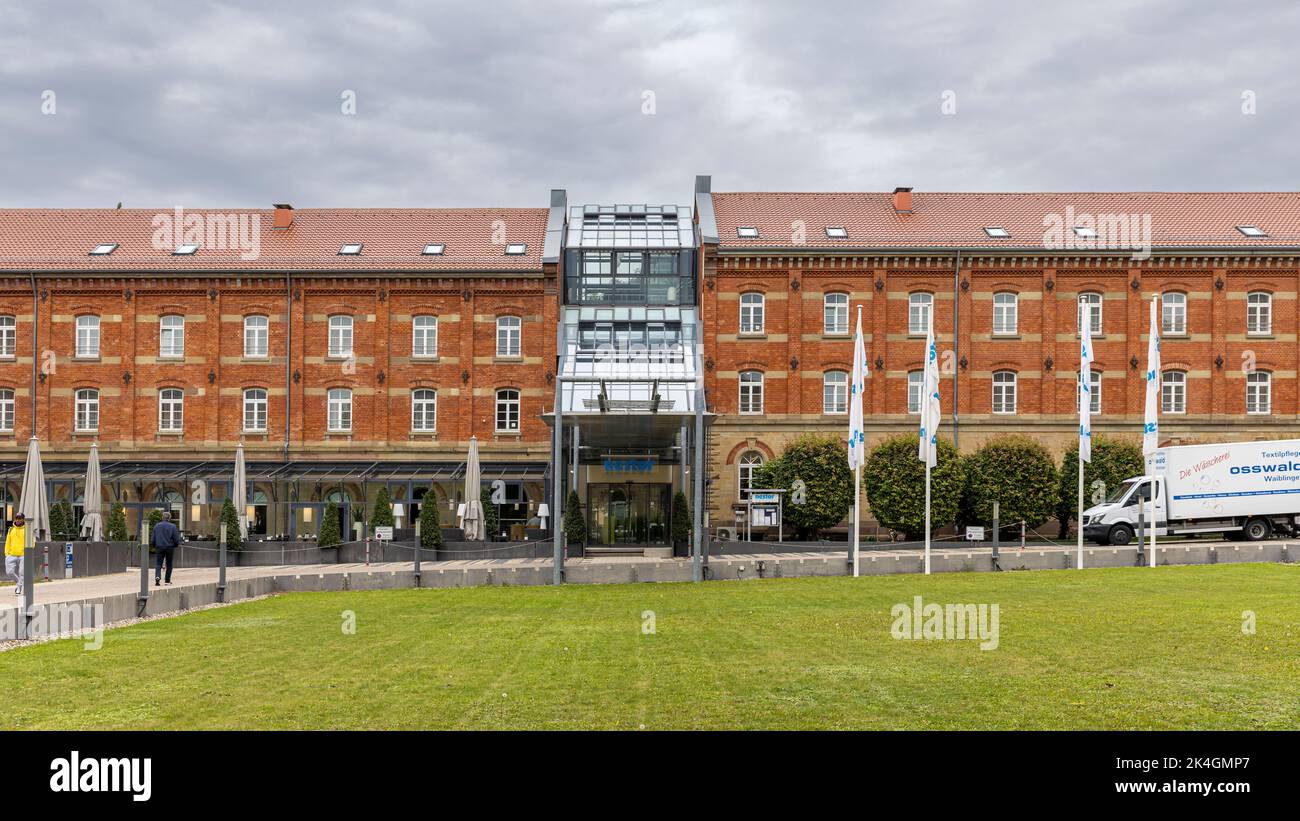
(15, 543)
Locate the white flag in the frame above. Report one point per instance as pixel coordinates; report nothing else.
(1085, 386)
(1151, 423)
(928, 444)
(857, 385)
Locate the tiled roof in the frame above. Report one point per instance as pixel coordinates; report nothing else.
(475, 238)
(957, 220)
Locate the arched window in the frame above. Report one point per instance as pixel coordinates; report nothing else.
(919, 307)
(424, 336)
(835, 392)
(1173, 313)
(1259, 392)
(1090, 310)
(424, 410)
(835, 314)
(86, 410)
(915, 384)
(171, 336)
(7, 410)
(508, 410)
(8, 336)
(751, 313)
(509, 336)
(171, 406)
(340, 340)
(87, 336)
(749, 461)
(340, 410)
(751, 392)
(256, 333)
(255, 410)
(1173, 392)
(1006, 309)
(1259, 313)
(1004, 391)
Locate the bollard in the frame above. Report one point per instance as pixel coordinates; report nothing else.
(45, 562)
(417, 560)
(997, 537)
(367, 551)
(221, 572)
(143, 598)
(1022, 535)
(29, 588)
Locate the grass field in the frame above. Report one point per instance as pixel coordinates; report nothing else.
(1123, 648)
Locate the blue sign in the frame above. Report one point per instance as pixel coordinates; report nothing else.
(67, 551)
(642, 465)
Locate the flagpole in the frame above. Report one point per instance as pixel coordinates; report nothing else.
(1079, 559)
(927, 517)
(857, 496)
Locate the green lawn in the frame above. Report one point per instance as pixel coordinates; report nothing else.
(1124, 648)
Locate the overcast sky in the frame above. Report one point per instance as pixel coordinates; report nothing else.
(157, 104)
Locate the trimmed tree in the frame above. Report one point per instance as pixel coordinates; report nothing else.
(155, 516)
(116, 530)
(1016, 472)
(1113, 461)
(230, 521)
(574, 523)
(491, 516)
(821, 463)
(62, 526)
(382, 516)
(681, 525)
(330, 535)
(430, 527)
(894, 481)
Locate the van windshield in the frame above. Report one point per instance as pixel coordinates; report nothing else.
(1120, 492)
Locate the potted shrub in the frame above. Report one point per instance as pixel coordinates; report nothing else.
(681, 525)
(574, 522)
(430, 527)
(330, 534)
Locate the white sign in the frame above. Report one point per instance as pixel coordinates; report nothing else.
(763, 498)
(383, 534)
(974, 534)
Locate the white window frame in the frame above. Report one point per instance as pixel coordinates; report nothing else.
(920, 305)
(87, 337)
(748, 462)
(257, 331)
(1173, 314)
(752, 313)
(85, 413)
(1259, 393)
(8, 405)
(171, 336)
(835, 313)
(1095, 395)
(835, 393)
(8, 336)
(338, 410)
(1006, 313)
(751, 392)
(1005, 384)
(915, 386)
(510, 336)
(171, 410)
(1259, 313)
(1094, 307)
(256, 401)
(424, 336)
(507, 402)
(424, 410)
(1173, 391)
(341, 329)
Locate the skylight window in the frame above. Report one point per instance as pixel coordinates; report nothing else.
(1083, 231)
(350, 249)
(434, 249)
(997, 232)
(103, 249)
(747, 232)
(837, 232)
(1251, 231)
(186, 249)
(516, 249)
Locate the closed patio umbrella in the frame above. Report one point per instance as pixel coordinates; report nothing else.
(92, 523)
(240, 492)
(473, 524)
(33, 503)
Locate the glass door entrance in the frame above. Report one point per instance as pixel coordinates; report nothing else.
(628, 514)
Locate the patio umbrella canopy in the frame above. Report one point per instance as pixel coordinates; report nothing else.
(92, 523)
(473, 523)
(32, 503)
(240, 492)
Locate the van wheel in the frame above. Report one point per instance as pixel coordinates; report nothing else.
(1257, 530)
(1121, 534)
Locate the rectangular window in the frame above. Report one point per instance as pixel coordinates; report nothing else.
(1258, 393)
(918, 313)
(255, 410)
(835, 314)
(1094, 393)
(1173, 314)
(751, 392)
(509, 342)
(340, 339)
(86, 415)
(88, 336)
(1089, 310)
(424, 410)
(508, 411)
(340, 410)
(1006, 311)
(7, 410)
(835, 392)
(8, 336)
(424, 336)
(1173, 392)
(1004, 392)
(751, 313)
(171, 337)
(1259, 314)
(256, 332)
(915, 382)
(170, 410)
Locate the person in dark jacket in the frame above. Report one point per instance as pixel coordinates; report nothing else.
(166, 538)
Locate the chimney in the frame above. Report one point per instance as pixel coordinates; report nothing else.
(903, 200)
(283, 216)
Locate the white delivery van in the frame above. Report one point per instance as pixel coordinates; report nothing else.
(1244, 490)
